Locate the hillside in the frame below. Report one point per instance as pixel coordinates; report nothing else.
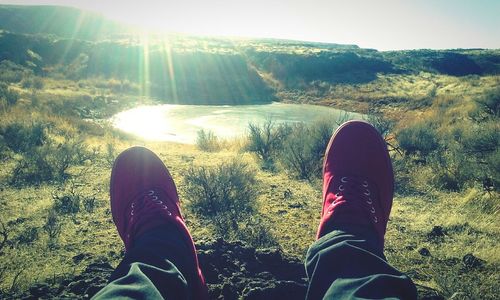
(210, 70)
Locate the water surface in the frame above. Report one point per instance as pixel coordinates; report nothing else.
(180, 123)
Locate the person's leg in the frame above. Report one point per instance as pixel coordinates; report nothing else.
(156, 267)
(160, 259)
(347, 260)
(347, 263)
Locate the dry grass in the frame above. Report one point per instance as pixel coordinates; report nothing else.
(291, 208)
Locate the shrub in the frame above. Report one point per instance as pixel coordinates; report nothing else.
(342, 118)
(207, 141)
(4, 232)
(304, 148)
(71, 198)
(52, 227)
(34, 83)
(452, 169)
(22, 138)
(266, 140)
(12, 72)
(482, 146)
(34, 167)
(321, 132)
(491, 180)
(28, 236)
(50, 162)
(383, 125)
(420, 138)
(489, 104)
(67, 204)
(223, 194)
(72, 152)
(111, 154)
(482, 140)
(7, 95)
(254, 231)
(297, 155)
(89, 204)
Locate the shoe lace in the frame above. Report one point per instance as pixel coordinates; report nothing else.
(145, 208)
(358, 190)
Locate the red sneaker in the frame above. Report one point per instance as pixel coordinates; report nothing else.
(143, 197)
(358, 181)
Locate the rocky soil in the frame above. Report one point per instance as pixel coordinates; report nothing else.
(232, 270)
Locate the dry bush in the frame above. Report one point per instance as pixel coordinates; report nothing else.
(206, 140)
(266, 141)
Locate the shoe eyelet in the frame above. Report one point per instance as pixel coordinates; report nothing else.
(372, 210)
(132, 205)
(151, 193)
(169, 213)
(341, 187)
(369, 201)
(343, 179)
(158, 202)
(375, 219)
(365, 183)
(154, 198)
(132, 213)
(367, 193)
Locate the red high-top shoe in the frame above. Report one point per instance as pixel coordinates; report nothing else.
(358, 181)
(143, 197)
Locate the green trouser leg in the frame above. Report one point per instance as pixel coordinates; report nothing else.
(348, 263)
(156, 267)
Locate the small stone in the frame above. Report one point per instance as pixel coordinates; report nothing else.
(459, 296)
(287, 194)
(265, 275)
(39, 290)
(436, 232)
(424, 252)
(472, 262)
(410, 247)
(78, 287)
(268, 256)
(78, 258)
(453, 261)
(99, 267)
(295, 205)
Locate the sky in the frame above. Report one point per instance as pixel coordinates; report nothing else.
(378, 24)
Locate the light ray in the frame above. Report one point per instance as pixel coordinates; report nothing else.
(171, 74)
(144, 74)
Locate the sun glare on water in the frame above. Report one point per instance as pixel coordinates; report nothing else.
(147, 122)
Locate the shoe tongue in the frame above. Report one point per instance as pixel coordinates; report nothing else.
(348, 198)
(349, 213)
(152, 208)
